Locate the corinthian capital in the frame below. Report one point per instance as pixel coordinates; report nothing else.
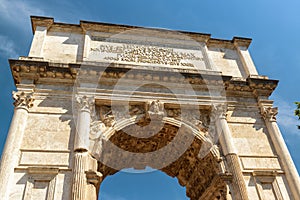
(22, 99)
(85, 103)
(269, 113)
(218, 111)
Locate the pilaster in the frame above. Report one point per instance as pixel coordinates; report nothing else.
(241, 46)
(37, 45)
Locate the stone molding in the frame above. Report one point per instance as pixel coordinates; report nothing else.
(267, 177)
(86, 26)
(41, 174)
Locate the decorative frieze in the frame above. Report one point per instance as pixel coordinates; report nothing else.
(67, 73)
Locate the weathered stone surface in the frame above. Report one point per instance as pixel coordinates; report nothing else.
(96, 98)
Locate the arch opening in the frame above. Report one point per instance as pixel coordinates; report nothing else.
(199, 173)
(141, 184)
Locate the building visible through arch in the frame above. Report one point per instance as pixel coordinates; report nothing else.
(95, 98)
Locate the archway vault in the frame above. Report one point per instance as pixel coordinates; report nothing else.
(192, 158)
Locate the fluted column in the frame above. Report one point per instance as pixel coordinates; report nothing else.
(269, 115)
(81, 146)
(225, 138)
(11, 152)
(79, 177)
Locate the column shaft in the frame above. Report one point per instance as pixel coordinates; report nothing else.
(225, 138)
(83, 130)
(79, 177)
(81, 147)
(285, 158)
(11, 152)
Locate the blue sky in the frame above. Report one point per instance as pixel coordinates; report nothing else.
(273, 25)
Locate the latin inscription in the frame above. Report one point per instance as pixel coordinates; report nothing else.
(146, 54)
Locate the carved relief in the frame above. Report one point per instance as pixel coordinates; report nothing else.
(174, 112)
(23, 99)
(152, 109)
(106, 116)
(96, 129)
(155, 110)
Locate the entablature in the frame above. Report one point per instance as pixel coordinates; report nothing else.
(41, 72)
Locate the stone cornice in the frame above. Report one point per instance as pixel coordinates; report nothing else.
(41, 21)
(84, 26)
(52, 73)
(242, 42)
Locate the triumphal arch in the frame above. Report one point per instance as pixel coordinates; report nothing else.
(94, 98)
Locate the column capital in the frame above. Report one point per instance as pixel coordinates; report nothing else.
(85, 103)
(22, 99)
(218, 111)
(269, 113)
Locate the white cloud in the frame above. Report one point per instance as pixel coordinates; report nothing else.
(7, 47)
(16, 11)
(286, 117)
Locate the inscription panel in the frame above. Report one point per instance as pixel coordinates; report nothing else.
(144, 54)
(44, 158)
(260, 163)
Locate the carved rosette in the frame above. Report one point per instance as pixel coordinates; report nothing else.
(269, 113)
(85, 103)
(23, 100)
